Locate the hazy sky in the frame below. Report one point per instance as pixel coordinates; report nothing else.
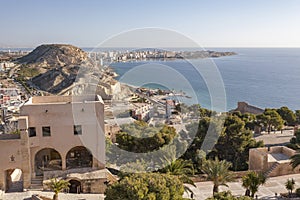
(211, 23)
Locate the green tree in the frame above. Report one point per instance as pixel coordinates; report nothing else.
(290, 185)
(297, 114)
(146, 186)
(200, 130)
(231, 142)
(295, 141)
(180, 168)
(141, 138)
(251, 182)
(227, 196)
(248, 118)
(234, 143)
(58, 186)
(287, 115)
(270, 118)
(295, 160)
(218, 172)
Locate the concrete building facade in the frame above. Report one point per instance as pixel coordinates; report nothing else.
(59, 136)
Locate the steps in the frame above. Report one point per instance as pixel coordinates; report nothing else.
(267, 173)
(37, 183)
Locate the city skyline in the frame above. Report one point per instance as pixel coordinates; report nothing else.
(269, 23)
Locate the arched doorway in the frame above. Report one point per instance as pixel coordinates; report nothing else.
(14, 180)
(47, 160)
(75, 187)
(79, 157)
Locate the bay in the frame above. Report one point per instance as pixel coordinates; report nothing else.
(264, 77)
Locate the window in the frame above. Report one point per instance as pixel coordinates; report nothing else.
(32, 132)
(46, 131)
(77, 130)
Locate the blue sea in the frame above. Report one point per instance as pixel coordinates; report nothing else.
(264, 77)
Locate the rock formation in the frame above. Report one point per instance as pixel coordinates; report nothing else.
(65, 70)
(54, 55)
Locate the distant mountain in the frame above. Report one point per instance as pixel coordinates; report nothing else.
(54, 55)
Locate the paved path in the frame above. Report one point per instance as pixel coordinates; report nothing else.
(267, 191)
(202, 191)
(62, 196)
(277, 138)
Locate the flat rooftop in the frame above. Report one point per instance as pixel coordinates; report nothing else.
(62, 99)
(278, 157)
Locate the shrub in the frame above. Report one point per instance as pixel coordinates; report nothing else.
(146, 186)
(227, 196)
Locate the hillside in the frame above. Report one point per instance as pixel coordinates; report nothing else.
(55, 68)
(54, 55)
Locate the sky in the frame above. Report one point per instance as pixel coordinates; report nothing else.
(210, 23)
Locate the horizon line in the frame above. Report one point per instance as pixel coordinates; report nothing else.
(85, 47)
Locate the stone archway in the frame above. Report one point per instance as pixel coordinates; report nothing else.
(14, 180)
(47, 159)
(75, 186)
(79, 157)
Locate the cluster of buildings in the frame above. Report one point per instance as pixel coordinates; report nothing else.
(111, 56)
(6, 65)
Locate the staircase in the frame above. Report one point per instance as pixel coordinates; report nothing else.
(269, 171)
(37, 183)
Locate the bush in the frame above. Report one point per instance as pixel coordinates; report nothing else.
(28, 72)
(293, 140)
(292, 146)
(146, 186)
(227, 196)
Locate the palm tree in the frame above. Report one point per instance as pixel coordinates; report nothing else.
(218, 172)
(57, 186)
(295, 160)
(181, 168)
(251, 181)
(290, 185)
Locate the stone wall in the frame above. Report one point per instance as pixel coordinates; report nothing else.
(287, 151)
(93, 186)
(243, 107)
(258, 159)
(14, 155)
(284, 169)
(111, 130)
(63, 173)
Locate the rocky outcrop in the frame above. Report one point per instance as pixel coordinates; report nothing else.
(66, 70)
(55, 80)
(56, 66)
(54, 55)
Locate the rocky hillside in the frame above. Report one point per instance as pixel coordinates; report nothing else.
(54, 55)
(64, 70)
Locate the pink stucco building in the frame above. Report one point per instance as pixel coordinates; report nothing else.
(60, 136)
